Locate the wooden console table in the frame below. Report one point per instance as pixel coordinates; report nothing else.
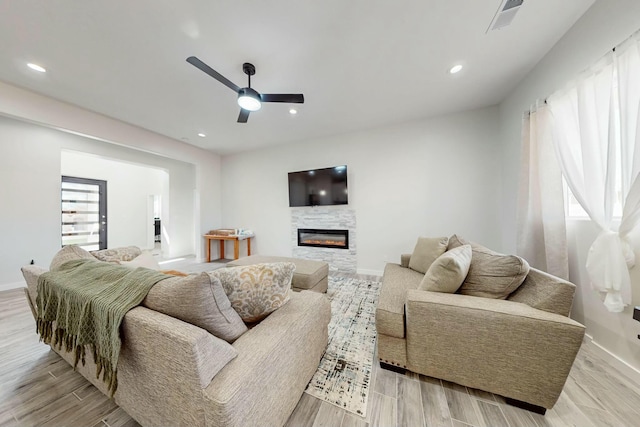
(236, 244)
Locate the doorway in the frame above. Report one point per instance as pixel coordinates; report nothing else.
(84, 212)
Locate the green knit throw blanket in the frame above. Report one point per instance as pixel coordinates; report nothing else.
(81, 305)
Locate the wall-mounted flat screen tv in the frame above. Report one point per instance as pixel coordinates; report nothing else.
(319, 187)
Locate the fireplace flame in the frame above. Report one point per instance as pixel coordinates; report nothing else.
(324, 242)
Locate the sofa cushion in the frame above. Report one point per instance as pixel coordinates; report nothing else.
(426, 251)
(390, 311)
(256, 290)
(199, 300)
(68, 253)
(116, 255)
(448, 271)
(491, 274)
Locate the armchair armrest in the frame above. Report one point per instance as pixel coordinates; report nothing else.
(164, 366)
(500, 346)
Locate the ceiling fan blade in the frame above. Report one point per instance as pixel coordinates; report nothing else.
(296, 98)
(213, 73)
(243, 116)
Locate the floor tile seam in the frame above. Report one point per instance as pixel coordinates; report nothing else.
(606, 387)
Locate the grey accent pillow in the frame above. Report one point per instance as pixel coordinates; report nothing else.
(491, 274)
(69, 253)
(426, 251)
(447, 273)
(257, 290)
(197, 299)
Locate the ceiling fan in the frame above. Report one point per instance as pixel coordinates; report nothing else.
(248, 99)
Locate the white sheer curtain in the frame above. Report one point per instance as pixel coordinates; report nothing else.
(597, 142)
(542, 237)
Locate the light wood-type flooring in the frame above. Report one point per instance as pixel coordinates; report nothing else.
(38, 388)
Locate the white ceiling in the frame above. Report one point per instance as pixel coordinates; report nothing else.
(360, 63)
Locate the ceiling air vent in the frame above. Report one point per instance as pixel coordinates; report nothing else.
(505, 14)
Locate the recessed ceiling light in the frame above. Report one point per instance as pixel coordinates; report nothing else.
(293, 111)
(455, 69)
(201, 135)
(36, 67)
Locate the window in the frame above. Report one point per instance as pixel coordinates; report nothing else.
(84, 213)
(573, 209)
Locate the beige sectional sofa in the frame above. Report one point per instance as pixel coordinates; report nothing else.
(521, 347)
(172, 372)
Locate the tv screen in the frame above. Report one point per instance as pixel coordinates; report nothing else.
(318, 187)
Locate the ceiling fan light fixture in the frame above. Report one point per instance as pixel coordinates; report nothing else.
(249, 99)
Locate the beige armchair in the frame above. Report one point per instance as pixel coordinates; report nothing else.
(521, 348)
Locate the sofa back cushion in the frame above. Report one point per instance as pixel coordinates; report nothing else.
(200, 300)
(68, 253)
(256, 290)
(426, 251)
(546, 292)
(448, 271)
(491, 274)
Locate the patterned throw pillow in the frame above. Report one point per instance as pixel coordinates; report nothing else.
(256, 290)
(145, 259)
(116, 255)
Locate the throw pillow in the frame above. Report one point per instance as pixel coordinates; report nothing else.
(199, 300)
(145, 259)
(491, 274)
(447, 273)
(115, 255)
(256, 290)
(68, 253)
(426, 251)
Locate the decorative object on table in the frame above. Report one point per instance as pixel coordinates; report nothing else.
(343, 377)
(222, 232)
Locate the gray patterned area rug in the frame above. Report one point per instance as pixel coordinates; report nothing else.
(344, 374)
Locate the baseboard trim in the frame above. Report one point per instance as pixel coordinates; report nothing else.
(9, 286)
(615, 361)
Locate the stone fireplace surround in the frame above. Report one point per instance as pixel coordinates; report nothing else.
(331, 218)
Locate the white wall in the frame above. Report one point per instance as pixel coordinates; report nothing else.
(30, 170)
(27, 195)
(128, 189)
(604, 25)
(427, 178)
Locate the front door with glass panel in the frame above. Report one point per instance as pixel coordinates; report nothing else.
(84, 213)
